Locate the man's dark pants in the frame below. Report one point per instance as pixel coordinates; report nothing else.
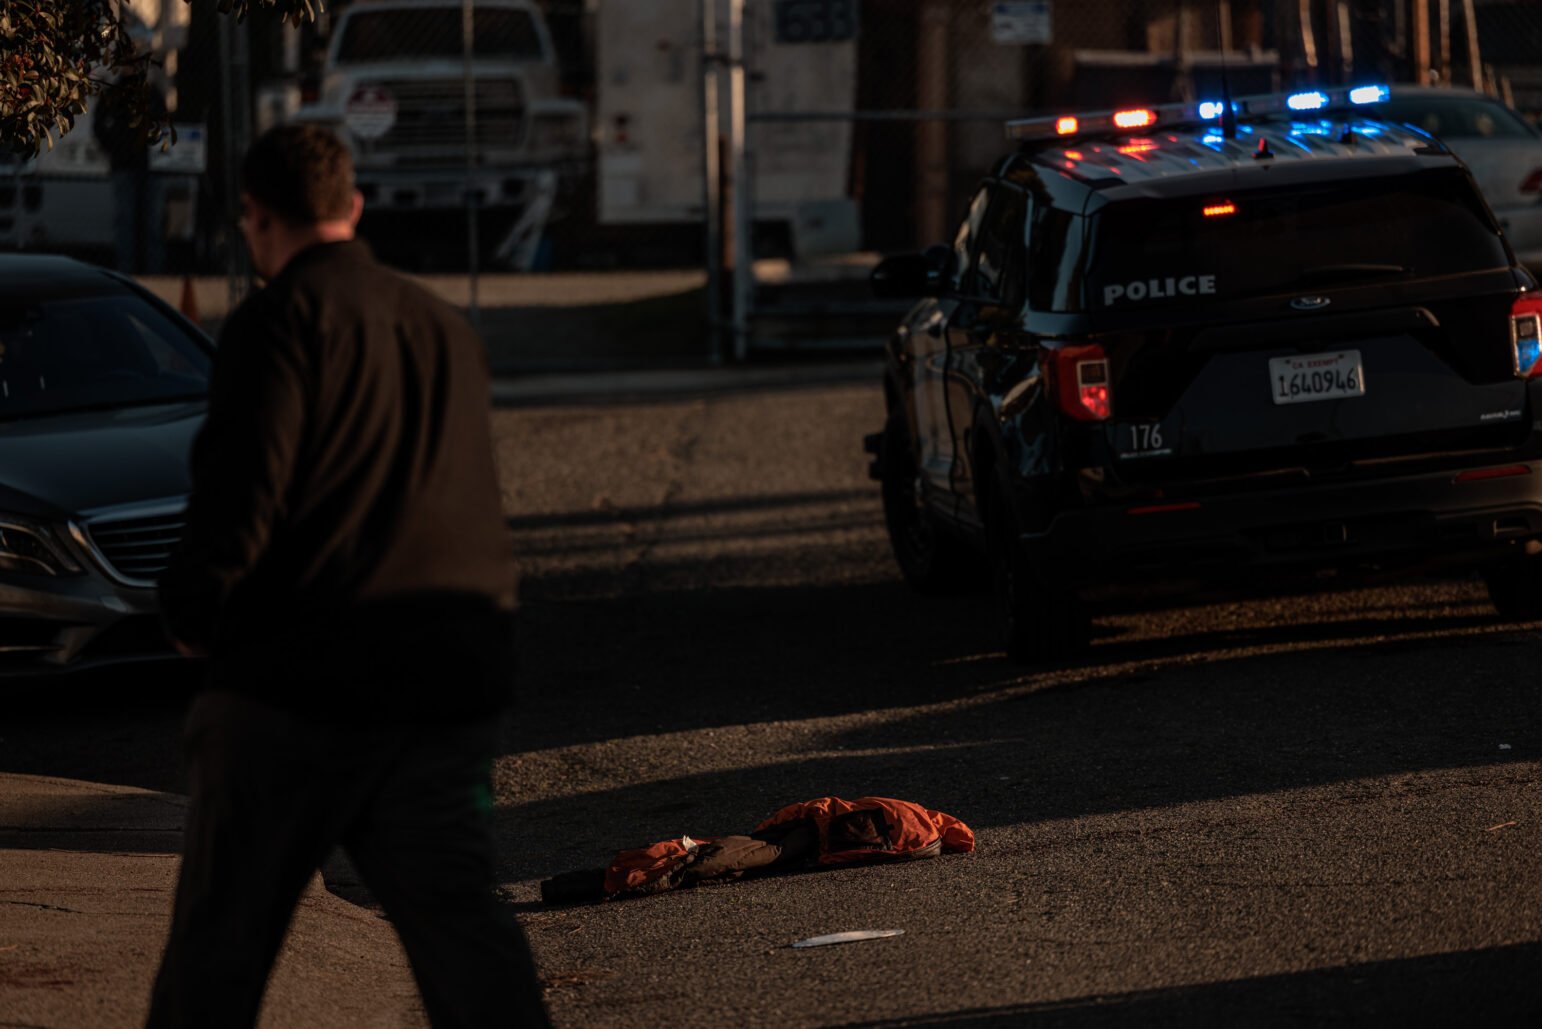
(273, 793)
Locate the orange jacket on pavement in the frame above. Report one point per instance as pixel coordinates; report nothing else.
(826, 831)
(871, 828)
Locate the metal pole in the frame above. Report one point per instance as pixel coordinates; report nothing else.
(711, 173)
(473, 244)
(238, 270)
(1443, 15)
(1181, 50)
(1421, 41)
(1474, 55)
(1308, 37)
(932, 137)
(744, 256)
(1346, 44)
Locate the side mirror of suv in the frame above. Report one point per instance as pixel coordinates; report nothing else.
(905, 276)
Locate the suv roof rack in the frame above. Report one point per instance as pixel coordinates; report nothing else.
(1071, 126)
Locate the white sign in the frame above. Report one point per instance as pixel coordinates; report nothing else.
(188, 155)
(370, 112)
(1020, 24)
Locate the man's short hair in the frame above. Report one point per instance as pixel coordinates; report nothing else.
(303, 173)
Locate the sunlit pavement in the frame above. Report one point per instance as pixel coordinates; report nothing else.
(1277, 810)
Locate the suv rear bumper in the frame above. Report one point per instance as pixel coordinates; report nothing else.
(1425, 519)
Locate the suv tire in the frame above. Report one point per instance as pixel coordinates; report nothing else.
(930, 560)
(1515, 588)
(1045, 619)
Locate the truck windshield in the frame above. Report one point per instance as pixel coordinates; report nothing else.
(436, 32)
(1195, 251)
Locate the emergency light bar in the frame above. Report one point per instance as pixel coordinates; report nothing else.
(1126, 119)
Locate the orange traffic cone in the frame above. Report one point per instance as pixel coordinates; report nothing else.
(189, 304)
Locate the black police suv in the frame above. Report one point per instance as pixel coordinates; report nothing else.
(1274, 334)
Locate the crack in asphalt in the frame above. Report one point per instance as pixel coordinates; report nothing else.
(41, 906)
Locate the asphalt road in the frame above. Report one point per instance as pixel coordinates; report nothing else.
(1294, 810)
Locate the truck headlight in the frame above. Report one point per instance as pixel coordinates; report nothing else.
(28, 546)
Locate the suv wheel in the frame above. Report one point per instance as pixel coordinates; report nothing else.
(1045, 619)
(1515, 588)
(930, 560)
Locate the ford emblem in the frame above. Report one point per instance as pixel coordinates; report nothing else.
(1310, 303)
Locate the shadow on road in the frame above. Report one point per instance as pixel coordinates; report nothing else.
(118, 726)
(1197, 714)
(1437, 990)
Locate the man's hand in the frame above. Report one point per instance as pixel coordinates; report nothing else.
(189, 650)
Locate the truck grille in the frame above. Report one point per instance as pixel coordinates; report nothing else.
(431, 115)
(137, 549)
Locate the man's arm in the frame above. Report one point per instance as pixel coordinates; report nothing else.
(242, 464)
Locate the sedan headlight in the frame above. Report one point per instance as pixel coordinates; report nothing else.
(28, 546)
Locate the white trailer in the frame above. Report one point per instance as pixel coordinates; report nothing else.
(649, 113)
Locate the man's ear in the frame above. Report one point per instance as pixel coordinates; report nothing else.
(356, 210)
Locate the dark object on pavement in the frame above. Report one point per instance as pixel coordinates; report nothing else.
(826, 831)
(575, 887)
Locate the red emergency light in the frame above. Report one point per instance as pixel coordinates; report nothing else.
(1139, 118)
(1220, 210)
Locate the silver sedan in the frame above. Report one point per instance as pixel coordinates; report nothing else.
(101, 391)
(1503, 149)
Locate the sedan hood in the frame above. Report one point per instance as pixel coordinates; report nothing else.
(80, 462)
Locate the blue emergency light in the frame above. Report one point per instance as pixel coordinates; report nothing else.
(1313, 101)
(1369, 94)
(1067, 126)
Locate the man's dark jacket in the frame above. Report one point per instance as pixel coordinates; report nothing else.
(345, 551)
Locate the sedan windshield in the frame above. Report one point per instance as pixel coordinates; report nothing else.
(92, 353)
(1458, 117)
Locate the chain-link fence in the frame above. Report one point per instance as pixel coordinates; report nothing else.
(868, 122)
(466, 141)
(778, 144)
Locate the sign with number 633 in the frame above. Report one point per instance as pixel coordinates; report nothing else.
(816, 21)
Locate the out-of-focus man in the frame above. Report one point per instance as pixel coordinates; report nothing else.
(347, 570)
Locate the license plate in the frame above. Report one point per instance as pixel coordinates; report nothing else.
(1299, 380)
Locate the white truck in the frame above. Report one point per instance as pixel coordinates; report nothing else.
(801, 57)
(395, 81)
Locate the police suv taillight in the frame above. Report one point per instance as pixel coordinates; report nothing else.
(1081, 383)
(1526, 336)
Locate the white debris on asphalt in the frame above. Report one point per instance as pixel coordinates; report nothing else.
(849, 937)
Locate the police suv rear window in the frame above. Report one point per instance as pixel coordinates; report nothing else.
(1194, 251)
